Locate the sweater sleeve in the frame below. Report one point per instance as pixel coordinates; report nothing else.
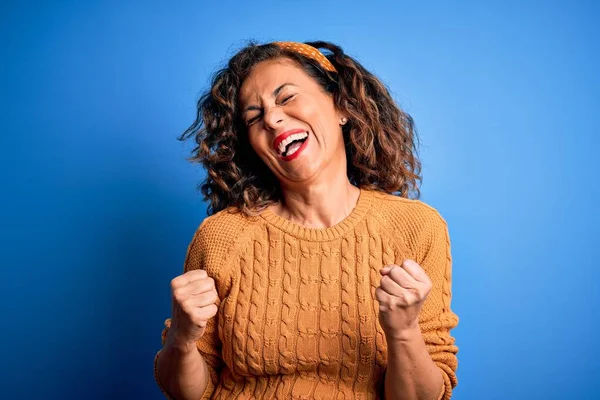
(436, 318)
(209, 344)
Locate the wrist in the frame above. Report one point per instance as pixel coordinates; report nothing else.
(405, 335)
(180, 345)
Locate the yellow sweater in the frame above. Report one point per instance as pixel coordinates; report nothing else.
(298, 318)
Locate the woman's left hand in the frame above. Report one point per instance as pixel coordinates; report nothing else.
(401, 294)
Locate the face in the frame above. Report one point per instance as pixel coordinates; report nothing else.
(292, 122)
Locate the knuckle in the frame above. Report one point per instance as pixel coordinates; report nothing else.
(427, 291)
(186, 304)
(178, 295)
(175, 283)
(400, 301)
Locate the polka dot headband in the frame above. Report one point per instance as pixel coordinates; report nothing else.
(308, 51)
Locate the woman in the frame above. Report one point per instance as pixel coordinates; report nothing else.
(315, 276)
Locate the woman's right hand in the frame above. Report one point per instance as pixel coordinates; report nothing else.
(194, 298)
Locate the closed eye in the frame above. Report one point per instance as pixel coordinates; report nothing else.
(287, 98)
(253, 120)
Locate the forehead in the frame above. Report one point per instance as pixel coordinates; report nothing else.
(268, 75)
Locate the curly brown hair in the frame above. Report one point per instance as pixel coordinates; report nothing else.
(381, 139)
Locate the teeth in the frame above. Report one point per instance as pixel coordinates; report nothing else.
(290, 139)
(294, 149)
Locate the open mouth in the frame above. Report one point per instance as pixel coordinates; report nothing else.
(290, 145)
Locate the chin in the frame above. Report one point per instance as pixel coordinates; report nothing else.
(304, 175)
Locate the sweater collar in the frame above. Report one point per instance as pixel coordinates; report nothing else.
(363, 205)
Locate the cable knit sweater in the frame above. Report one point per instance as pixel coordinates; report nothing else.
(298, 318)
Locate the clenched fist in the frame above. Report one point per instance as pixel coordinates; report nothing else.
(194, 303)
(401, 294)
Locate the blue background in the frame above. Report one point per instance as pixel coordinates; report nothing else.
(98, 203)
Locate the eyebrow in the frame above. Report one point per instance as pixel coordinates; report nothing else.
(274, 94)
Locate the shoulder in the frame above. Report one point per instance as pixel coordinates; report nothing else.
(413, 221)
(400, 210)
(224, 226)
(216, 236)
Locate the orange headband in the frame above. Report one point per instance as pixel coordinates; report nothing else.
(308, 51)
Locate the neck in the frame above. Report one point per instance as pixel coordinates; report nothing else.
(318, 205)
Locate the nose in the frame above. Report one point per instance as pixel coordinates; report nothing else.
(273, 117)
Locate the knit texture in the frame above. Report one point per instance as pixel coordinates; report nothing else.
(298, 318)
